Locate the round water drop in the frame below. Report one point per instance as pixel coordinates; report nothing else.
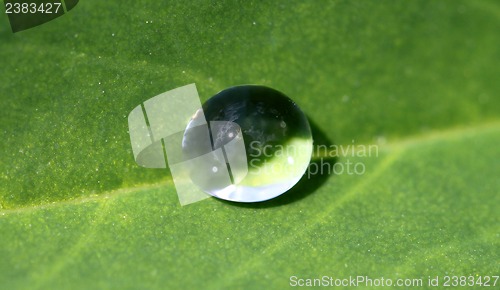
(277, 144)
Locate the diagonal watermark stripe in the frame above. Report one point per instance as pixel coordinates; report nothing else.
(159, 130)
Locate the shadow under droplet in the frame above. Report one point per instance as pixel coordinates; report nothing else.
(313, 178)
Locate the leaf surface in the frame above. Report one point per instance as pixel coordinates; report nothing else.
(417, 79)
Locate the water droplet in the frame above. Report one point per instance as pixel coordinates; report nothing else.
(275, 136)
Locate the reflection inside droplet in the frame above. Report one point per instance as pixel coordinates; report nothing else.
(259, 144)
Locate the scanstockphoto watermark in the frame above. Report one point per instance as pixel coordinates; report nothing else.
(326, 159)
(465, 281)
(354, 281)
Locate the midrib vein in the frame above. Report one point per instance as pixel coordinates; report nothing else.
(395, 150)
(396, 145)
(92, 198)
(273, 248)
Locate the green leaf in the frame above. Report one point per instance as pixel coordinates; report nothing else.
(418, 79)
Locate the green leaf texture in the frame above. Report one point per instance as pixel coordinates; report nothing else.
(419, 79)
